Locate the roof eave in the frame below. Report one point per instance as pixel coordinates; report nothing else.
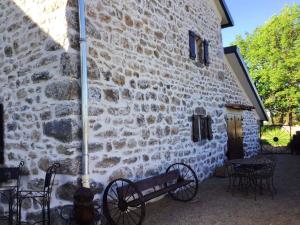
(230, 22)
(235, 50)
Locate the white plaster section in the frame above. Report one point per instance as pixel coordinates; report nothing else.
(49, 16)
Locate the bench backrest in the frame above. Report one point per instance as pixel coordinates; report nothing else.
(148, 183)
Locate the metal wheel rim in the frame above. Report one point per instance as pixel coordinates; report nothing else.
(119, 217)
(188, 192)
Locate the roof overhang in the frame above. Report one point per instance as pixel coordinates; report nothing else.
(239, 67)
(227, 20)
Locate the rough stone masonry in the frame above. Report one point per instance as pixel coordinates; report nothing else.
(143, 89)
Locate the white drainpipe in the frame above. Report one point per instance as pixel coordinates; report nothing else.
(84, 95)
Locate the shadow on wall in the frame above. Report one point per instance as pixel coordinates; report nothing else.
(40, 92)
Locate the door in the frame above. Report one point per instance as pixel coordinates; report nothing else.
(235, 136)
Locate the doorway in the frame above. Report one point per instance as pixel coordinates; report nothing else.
(235, 136)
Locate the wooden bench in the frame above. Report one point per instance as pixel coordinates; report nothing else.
(124, 200)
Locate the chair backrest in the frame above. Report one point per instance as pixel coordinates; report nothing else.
(11, 173)
(49, 177)
(231, 169)
(269, 168)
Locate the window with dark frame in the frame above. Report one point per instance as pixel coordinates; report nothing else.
(199, 48)
(1, 134)
(201, 126)
(205, 53)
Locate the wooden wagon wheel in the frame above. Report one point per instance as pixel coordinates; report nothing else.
(116, 203)
(186, 192)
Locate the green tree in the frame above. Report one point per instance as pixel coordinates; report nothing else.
(272, 53)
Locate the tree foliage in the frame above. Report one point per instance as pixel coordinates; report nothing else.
(272, 53)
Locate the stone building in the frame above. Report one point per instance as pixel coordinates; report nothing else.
(155, 67)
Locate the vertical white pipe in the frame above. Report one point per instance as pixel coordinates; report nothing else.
(84, 95)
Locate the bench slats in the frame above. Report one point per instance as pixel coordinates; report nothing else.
(160, 192)
(149, 183)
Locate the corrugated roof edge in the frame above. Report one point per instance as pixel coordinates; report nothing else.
(234, 49)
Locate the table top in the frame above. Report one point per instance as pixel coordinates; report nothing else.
(251, 161)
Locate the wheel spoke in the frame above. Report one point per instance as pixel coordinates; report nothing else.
(184, 194)
(190, 191)
(186, 172)
(180, 192)
(129, 196)
(115, 193)
(112, 198)
(119, 218)
(123, 215)
(127, 188)
(191, 177)
(133, 211)
(117, 211)
(131, 218)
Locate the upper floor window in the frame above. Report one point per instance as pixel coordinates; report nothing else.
(199, 48)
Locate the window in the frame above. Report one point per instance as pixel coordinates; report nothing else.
(205, 53)
(1, 134)
(199, 48)
(201, 128)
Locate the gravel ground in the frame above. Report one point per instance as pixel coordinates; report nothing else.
(214, 206)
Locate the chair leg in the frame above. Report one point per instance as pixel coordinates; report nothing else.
(48, 211)
(10, 208)
(255, 184)
(271, 189)
(233, 186)
(261, 186)
(240, 185)
(19, 211)
(43, 212)
(255, 187)
(244, 185)
(229, 184)
(248, 184)
(274, 189)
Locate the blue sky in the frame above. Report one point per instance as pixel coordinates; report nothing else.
(248, 14)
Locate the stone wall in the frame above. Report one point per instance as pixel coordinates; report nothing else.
(143, 89)
(39, 89)
(150, 88)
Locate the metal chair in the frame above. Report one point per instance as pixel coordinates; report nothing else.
(10, 178)
(42, 197)
(240, 177)
(264, 178)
